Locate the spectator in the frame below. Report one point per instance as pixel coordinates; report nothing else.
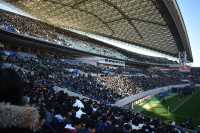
(13, 116)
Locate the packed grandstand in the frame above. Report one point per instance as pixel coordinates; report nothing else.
(71, 83)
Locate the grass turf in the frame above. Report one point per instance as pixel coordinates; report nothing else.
(164, 109)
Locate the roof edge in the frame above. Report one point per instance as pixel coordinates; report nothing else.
(175, 13)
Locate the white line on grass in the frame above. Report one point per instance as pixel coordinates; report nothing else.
(182, 103)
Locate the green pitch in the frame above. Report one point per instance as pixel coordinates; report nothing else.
(173, 107)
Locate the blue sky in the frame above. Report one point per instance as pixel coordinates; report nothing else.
(190, 10)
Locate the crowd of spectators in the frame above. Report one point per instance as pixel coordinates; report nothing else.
(43, 110)
(85, 79)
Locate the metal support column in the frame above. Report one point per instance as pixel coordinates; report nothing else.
(182, 58)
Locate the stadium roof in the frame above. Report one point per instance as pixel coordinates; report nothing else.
(153, 24)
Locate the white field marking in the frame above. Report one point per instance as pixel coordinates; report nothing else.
(182, 103)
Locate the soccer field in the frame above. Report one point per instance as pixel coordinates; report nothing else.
(174, 107)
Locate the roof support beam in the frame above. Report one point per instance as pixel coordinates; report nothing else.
(98, 19)
(87, 12)
(78, 3)
(146, 21)
(125, 16)
(141, 20)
